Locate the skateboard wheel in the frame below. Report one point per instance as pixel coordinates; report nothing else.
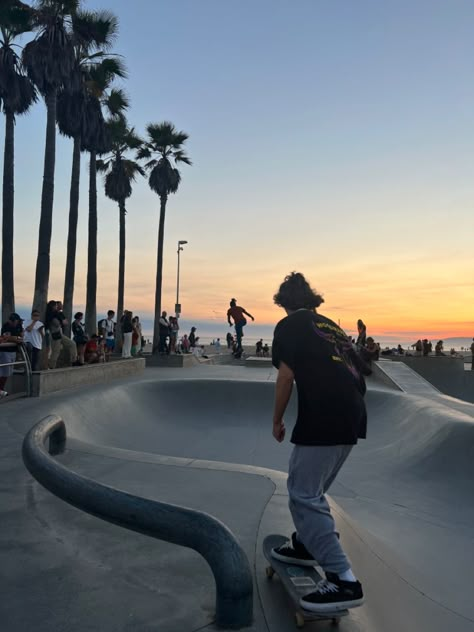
(299, 620)
(269, 572)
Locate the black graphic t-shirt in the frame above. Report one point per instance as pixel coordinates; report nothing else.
(331, 407)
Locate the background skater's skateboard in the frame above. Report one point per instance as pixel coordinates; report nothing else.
(298, 581)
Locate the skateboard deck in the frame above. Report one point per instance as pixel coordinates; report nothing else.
(297, 581)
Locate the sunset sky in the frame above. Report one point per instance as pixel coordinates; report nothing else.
(333, 138)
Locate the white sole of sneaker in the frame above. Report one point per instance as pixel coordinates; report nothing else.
(294, 561)
(322, 608)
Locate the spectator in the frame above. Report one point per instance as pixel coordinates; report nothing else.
(164, 333)
(11, 335)
(79, 336)
(53, 322)
(136, 337)
(141, 339)
(229, 339)
(92, 350)
(266, 350)
(107, 332)
(193, 339)
(362, 337)
(185, 346)
(439, 348)
(127, 331)
(173, 333)
(472, 355)
(371, 351)
(400, 350)
(259, 348)
(218, 345)
(33, 338)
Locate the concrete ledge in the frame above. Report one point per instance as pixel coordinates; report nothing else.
(258, 361)
(172, 360)
(45, 382)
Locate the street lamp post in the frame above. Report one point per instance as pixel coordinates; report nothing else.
(177, 307)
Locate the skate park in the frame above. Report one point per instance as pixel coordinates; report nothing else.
(200, 437)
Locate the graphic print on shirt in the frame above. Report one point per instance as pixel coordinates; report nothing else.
(342, 346)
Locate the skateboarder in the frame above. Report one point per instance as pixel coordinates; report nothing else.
(313, 351)
(237, 314)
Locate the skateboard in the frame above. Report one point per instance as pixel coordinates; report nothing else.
(298, 581)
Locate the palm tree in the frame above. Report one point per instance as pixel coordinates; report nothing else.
(93, 34)
(96, 141)
(17, 94)
(49, 61)
(163, 150)
(120, 172)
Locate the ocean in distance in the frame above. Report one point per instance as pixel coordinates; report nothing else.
(209, 330)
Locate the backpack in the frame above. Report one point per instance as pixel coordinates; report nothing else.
(101, 324)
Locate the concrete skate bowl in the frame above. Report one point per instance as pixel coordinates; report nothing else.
(403, 502)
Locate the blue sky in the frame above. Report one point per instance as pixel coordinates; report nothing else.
(330, 137)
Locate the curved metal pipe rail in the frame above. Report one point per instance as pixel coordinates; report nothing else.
(178, 525)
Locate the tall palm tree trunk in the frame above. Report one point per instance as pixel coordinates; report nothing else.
(91, 293)
(72, 233)
(159, 274)
(47, 198)
(8, 291)
(121, 277)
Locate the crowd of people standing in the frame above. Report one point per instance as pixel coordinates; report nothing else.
(45, 340)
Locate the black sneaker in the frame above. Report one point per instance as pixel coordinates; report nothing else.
(293, 552)
(332, 594)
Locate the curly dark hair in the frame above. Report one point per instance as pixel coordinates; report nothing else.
(296, 293)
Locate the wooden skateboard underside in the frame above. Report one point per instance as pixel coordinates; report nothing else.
(298, 581)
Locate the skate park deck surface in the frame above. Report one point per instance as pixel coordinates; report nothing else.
(201, 437)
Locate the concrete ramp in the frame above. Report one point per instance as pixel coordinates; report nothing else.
(403, 501)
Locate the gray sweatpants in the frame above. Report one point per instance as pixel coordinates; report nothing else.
(311, 472)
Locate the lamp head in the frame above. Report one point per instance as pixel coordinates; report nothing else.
(181, 242)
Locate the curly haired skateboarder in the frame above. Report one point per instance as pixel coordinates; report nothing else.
(313, 351)
(237, 314)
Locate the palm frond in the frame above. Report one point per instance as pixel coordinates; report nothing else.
(15, 18)
(117, 102)
(95, 29)
(180, 156)
(143, 153)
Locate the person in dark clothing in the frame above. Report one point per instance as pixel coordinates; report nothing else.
(11, 336)
(127, 330)
(361, 334)
(314, 352)
(193, 339)
(164, 333)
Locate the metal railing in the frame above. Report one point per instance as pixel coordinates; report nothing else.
(178, 525)
(21, 349)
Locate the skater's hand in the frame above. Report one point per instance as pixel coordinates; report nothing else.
(279, 430)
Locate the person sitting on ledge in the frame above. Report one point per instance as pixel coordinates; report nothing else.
(371, 351)
(439, 348)
(92, 350)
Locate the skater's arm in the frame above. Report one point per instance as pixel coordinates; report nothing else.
(284, 387)
(249, 315)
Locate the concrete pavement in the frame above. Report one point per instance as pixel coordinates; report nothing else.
(201, 437)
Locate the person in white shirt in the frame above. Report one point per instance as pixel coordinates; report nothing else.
(33, 338)
(107, 332)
